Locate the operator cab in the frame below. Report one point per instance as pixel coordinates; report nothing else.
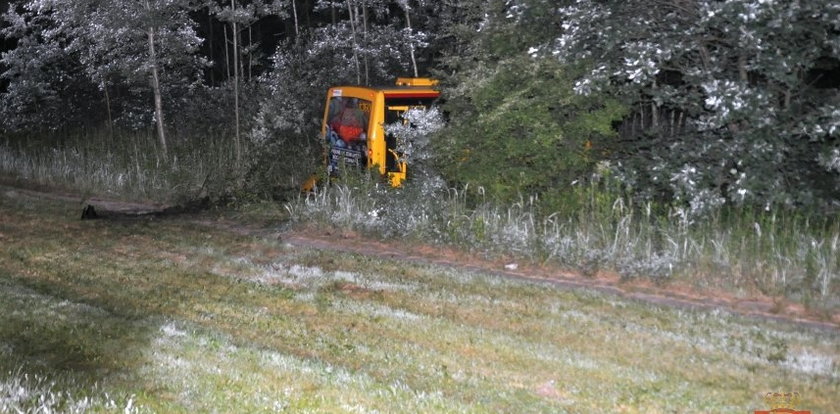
(354, 119)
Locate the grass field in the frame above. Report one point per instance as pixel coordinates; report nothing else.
(165, 315)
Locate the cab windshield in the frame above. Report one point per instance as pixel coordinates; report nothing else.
(348, 120)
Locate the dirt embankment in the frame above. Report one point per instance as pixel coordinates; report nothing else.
(672, 294)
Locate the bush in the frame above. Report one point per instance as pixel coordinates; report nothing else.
(521, 130)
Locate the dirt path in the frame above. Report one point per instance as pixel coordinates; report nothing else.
(672, 294)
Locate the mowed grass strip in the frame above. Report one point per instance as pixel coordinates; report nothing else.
(174, 316)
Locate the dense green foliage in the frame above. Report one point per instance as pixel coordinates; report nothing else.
(693, 104)
(521, 131)
(733, 102)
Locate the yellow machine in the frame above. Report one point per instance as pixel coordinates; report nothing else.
(354, 119)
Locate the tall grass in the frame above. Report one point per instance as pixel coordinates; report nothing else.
(598, 229)
(594, 228)
(128, 164)
(21, 392)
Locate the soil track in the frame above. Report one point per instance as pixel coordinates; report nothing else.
(671, 294)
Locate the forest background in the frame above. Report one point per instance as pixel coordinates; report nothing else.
(702, 117)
